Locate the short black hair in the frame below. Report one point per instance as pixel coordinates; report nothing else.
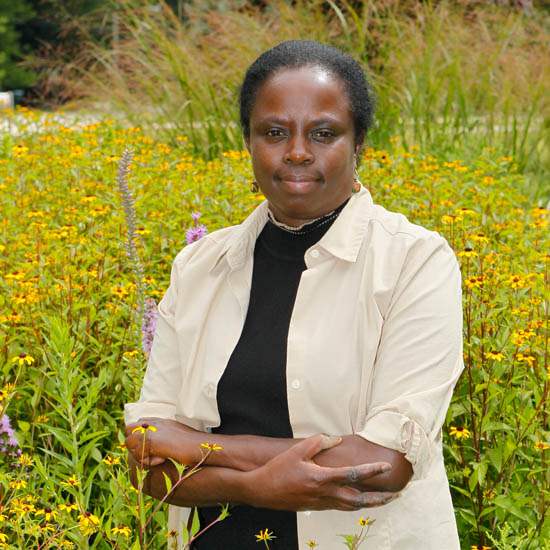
(294, 54)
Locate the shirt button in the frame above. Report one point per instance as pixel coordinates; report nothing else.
(210, 390)
(296, 384)
(314, 253)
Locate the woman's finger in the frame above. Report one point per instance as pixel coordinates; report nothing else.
(309, 447)
(349, 475)
(352, 499)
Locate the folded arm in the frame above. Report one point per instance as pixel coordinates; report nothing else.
(290, 480)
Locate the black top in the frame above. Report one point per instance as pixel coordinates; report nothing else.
(251, 393)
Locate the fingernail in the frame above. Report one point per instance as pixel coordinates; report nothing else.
(330, 441)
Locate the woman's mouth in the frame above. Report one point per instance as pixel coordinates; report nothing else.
(299, 185)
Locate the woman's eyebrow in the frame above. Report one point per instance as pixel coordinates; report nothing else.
(284, 121)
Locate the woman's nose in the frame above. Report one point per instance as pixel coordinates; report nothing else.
(298, 151)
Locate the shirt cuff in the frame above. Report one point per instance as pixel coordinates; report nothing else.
(134, 411)
(399, 432)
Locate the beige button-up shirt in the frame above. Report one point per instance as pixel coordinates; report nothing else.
(374, 349)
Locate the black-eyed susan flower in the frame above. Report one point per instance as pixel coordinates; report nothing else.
(474, 282)
(467, 253)
(542, 445)
(516, 281)
(88, 523)
(68, 507)
(480, 547)
(494, 355)
(23, 359)
(123, 530)
(71, 481)
(48, 513)
(459, 432)
(144, 428)
(111, 460)
(363, 522)
(18, 484)
(311, 544)
(526, 358)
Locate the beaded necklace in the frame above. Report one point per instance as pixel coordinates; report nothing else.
(312, 224)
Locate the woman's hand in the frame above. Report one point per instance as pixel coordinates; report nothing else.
(152, 440)
(292, 481)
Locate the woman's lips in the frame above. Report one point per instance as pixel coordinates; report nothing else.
(298, 187)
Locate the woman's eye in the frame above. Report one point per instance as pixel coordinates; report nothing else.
(274, 132)
(324, 134)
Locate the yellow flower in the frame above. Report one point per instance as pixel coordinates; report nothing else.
(479, 237)
(474, 282)
(20, 507)
(144, 428)
(88, 523)
(529, 359)
(448, 219)
(516, 281)
(520, 336)
(71, 482)
(48, 513)
(459, 433)
(68, 507)
(23, 359)
(265, 535)
(480, 547)
(25, 460)
(542, 445)
(111, 460)
(211, 446)
(494, 355)
(312, 544)
(122, 530)
(3, 537)
(18, 484)
(363, 522)
(467, 253)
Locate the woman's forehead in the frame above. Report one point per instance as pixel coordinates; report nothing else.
(298, 91)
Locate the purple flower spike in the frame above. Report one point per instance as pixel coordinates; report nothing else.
(9, 446)
(149, 325)
(195, 233)
(196, 216)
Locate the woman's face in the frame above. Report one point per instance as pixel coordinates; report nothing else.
(302, 143)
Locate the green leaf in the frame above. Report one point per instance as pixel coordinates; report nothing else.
(495, 456)
(195, 524)
(167, 481)
(24, 426)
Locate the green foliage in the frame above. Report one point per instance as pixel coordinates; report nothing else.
(13, 14)
(68, 299)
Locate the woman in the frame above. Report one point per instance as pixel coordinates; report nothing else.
(322, 313)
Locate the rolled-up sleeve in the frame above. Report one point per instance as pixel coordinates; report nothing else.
(163, 375)
(419, 357)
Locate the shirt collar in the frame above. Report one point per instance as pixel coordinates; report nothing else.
(343, 239)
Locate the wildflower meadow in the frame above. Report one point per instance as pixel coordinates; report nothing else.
(86, 246)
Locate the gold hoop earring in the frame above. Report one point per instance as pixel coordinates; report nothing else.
(254, 187)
